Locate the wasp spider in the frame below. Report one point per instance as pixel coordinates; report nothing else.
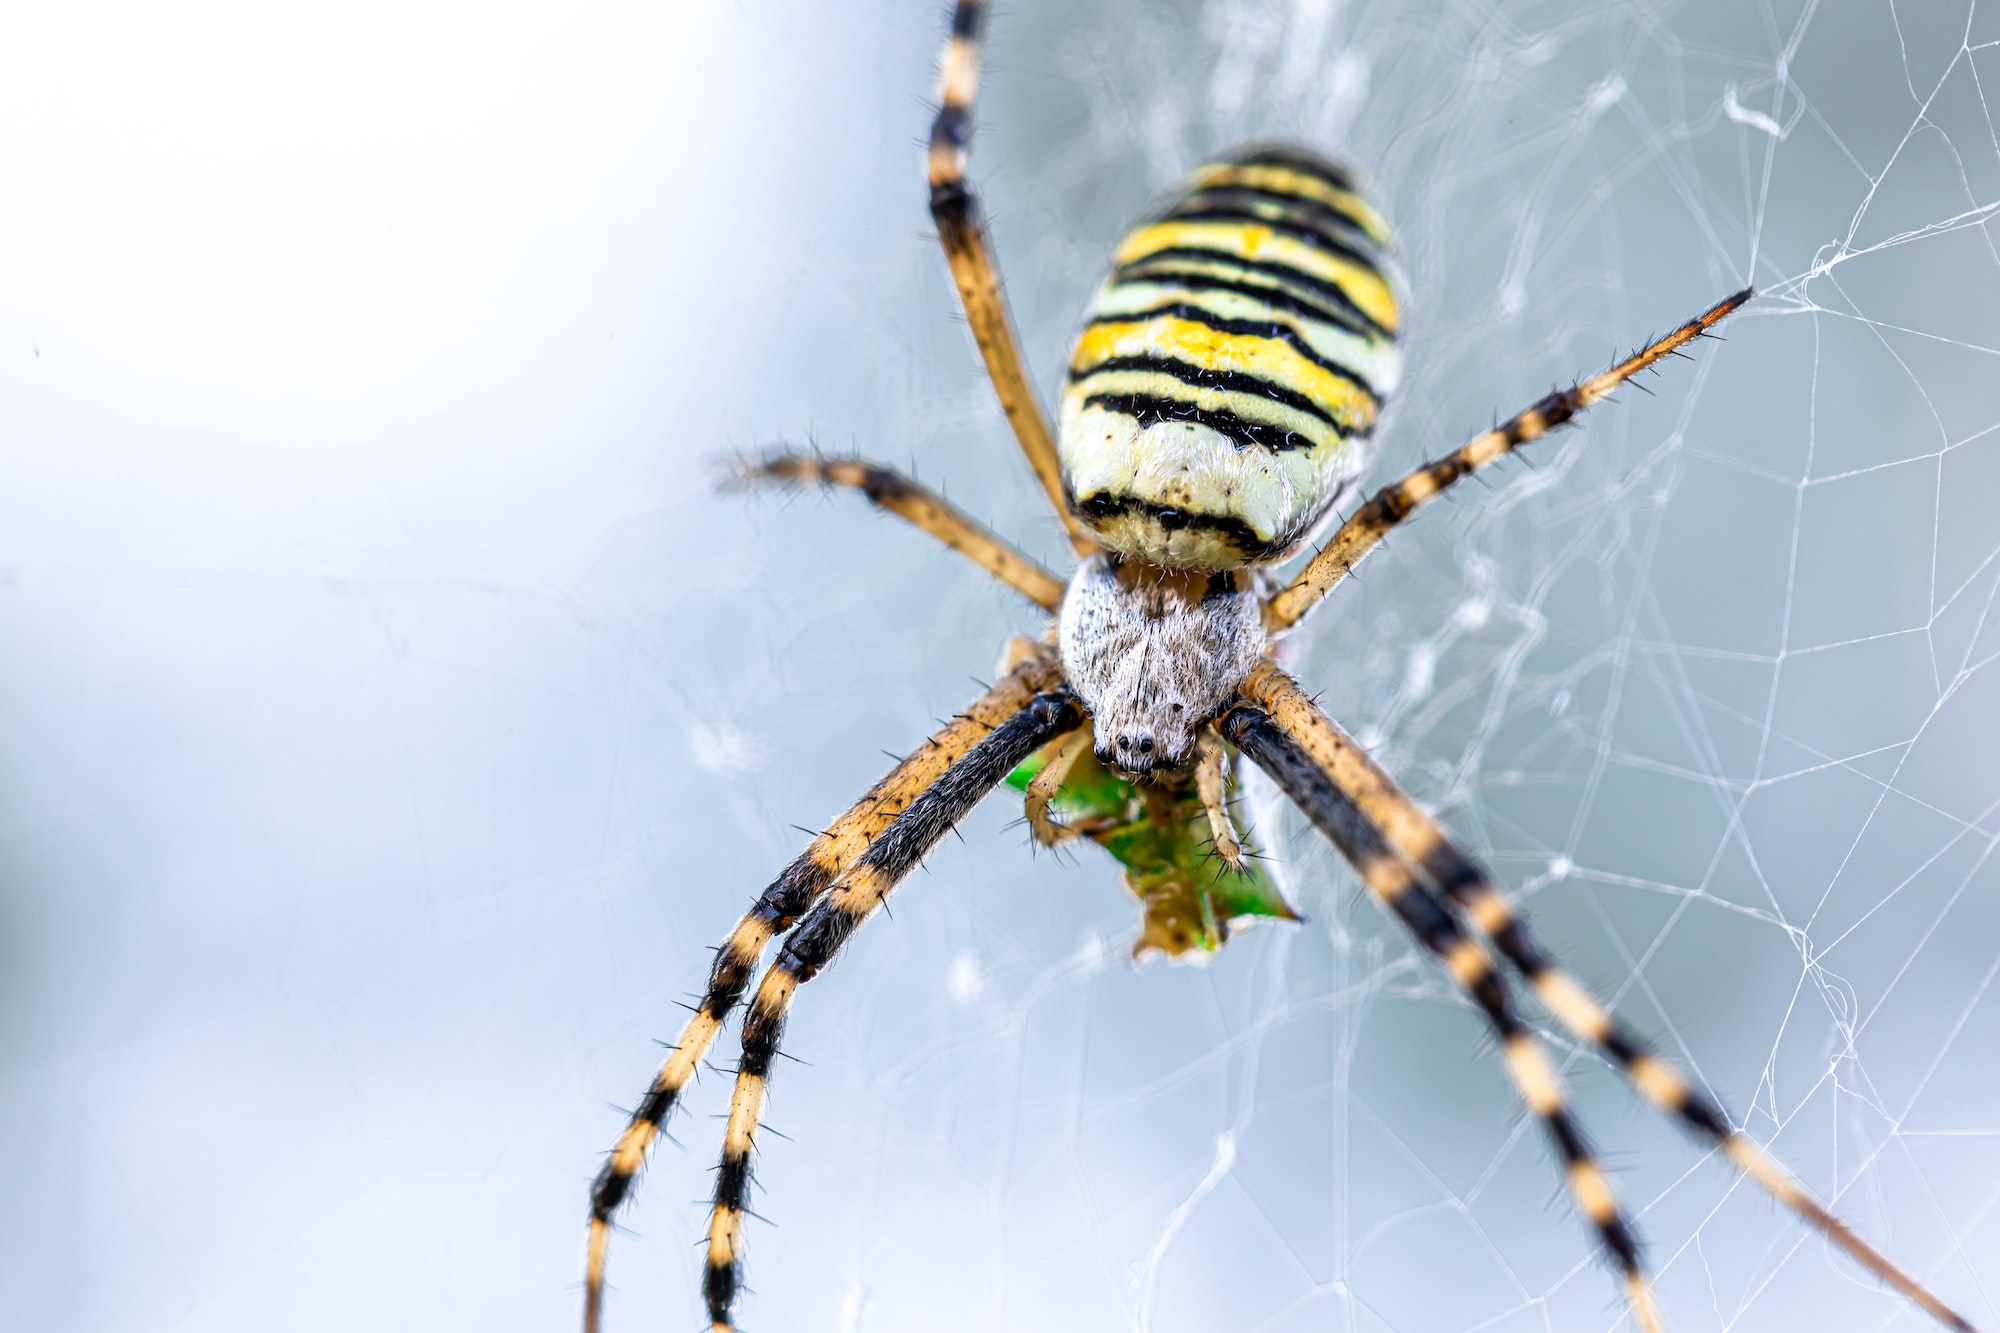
(1220, 405)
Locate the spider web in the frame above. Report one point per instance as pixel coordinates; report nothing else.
(396, 717)
(1706, 682)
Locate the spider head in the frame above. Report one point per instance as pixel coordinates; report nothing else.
(1138, 741)
(1154, 654)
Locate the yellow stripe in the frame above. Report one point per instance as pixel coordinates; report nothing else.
(1486, 448)
(1364, 286)
(1645, 1313)
(861, 893)
(1367, 354)
(1198, 344)
(1593, 1192)
(1490, 912)
(1753, 1162)
(1419, 487)
(1574, 1008)
(1467, 962)
(1224, 267)
(777, 989)
(1285, 180)
(630, 1154)
(593, 1264)
(724, 1230)
(1532, 1075)
(743, 1115)
(958, 83)
(1658, 1083)
(696, 1038)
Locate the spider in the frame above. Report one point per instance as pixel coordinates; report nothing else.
(1220, 407)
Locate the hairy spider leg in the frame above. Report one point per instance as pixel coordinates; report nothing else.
(1275, 750)
(1368, 525)
(810, 947)
(790, 896)
(1211, 783)
(910, 499)
(962, 231)
(1466, 883)
(1042, 788)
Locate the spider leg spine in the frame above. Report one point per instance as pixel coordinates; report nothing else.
(813, 943)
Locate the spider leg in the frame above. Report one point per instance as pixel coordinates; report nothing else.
(1211, 784)
(1368, 525)
(955, 208)
(790, 896)
(1272, 748)
(904, 496)
(810, 947)
(1416, 836)
(1043, 787)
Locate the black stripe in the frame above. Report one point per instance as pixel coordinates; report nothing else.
(1255, 328)
(1275, 297)
(1456, 873)
(1223, 193)
(1517, 946)
(1706, 1116)
(1104, 506)
(955, 210)
(1429, 922)
(1204, 377)
(1619, 1238)
(1622, 1047)
(1355, 317)
(1300, 160)
(609, 1190)
(1570, 1142)
(763, 1029)
(1555, 409)
(1148, 410)
(718, 1287)
(966, 18)
(953, 125)
(1194, 210)
(720, 1282)
(732, 1180)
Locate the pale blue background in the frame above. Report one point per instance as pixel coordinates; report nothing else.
(392, 716)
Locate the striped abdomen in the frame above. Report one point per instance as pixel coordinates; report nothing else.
(1227, 382)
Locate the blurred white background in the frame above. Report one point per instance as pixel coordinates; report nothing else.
(393, 717)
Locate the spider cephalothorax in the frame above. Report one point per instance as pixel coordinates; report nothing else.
(1222, 398)
(1156, 654)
